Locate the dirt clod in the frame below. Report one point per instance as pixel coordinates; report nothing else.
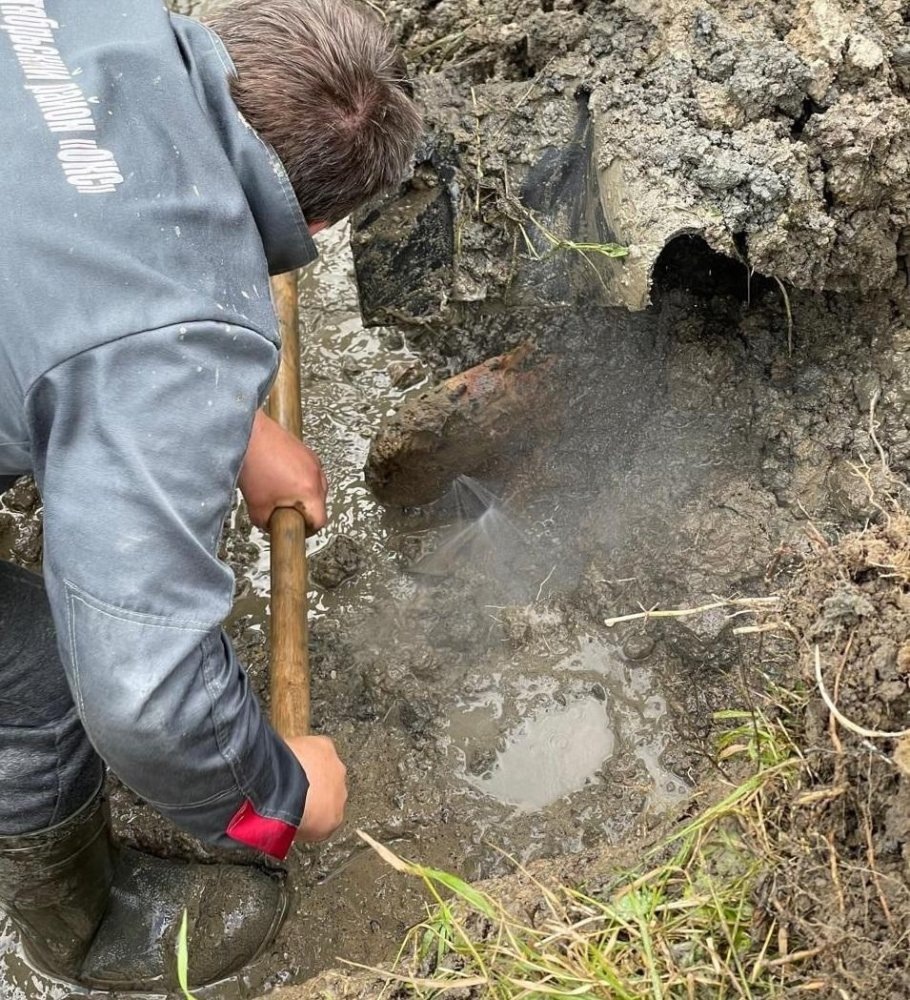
(339, 560)
(844, 882)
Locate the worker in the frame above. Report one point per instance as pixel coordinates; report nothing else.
(156, 171)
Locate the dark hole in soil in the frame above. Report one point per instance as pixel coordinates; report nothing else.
(517, 65)
(688, 263)
(480, 69)
(810, 108)
(742, 245)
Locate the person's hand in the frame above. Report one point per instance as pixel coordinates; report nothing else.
(328, 792)
(280, 471)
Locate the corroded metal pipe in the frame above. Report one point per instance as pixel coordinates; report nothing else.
(453, 428)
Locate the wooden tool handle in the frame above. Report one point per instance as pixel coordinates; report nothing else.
(290, 662)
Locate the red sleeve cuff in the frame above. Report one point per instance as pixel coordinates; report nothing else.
(271, 836)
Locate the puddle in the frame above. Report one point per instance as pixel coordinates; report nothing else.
(534, 739)
(550, 756)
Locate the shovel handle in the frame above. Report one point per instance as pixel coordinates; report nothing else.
(289, 671)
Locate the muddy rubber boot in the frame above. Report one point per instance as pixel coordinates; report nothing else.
(108, 917)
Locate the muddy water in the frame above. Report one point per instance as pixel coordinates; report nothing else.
(547, 755)
(459, 653)
(475, 713)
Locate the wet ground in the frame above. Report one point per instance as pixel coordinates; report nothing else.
(479, 708)
(459, 652)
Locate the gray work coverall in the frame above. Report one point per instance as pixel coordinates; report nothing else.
(141, 219)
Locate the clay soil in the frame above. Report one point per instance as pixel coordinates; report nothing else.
(709, 445)
(837, 884)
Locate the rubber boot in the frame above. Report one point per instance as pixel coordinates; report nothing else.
(108, 917)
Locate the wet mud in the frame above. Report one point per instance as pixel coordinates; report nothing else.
(704, 447)
(460, 652)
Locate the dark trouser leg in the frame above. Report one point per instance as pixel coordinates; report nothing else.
(87, 911)
(48, 768)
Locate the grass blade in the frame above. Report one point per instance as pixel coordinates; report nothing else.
(183, 958)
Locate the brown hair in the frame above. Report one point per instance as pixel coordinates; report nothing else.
(323, 83)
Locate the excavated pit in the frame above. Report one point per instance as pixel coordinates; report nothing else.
(459, 650)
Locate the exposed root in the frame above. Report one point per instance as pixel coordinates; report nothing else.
(786, 298)
(749, 604)
(870, 734)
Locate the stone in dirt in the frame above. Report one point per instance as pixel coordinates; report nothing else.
(338, 560)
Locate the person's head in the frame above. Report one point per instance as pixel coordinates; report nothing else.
(323, 83)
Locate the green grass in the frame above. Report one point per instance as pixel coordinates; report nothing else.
(183, 959)
(557, 243)
(683, 925)
(522, 217)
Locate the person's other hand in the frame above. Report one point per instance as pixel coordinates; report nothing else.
(280, 471)
(328, 792)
